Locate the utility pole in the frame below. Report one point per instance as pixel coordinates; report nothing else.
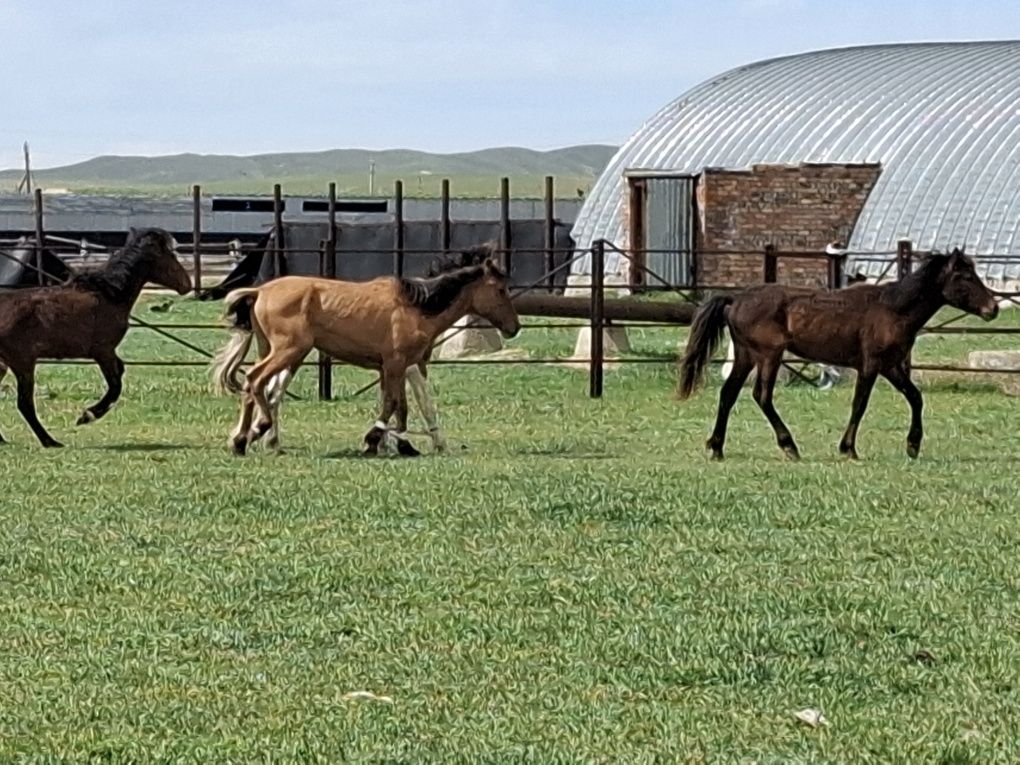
(26, 182)
(371, 177)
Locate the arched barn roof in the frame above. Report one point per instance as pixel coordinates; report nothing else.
(943, 119)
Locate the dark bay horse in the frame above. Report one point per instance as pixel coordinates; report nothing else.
(387, 324)
(870, 328)
(84, 318)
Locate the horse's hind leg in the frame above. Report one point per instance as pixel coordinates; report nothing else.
(740, 369)
(113, 371)
(862, 391)
(768, 370)
(26, 405)
(899, 376)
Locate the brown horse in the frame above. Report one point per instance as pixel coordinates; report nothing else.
(386, 324)
(867, 327)
(85, 318)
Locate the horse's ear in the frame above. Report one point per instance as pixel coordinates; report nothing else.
(956, 258)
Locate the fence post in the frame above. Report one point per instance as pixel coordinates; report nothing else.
(549, 232)
(836, 263)
(40, 264)
(770, 266)
(398, 228)
(444, 217)
(196, 236)
(904, 258)
(504, 227)
(327, 268)
(598, 271)
(278, 244)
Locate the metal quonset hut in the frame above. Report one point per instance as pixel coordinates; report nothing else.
(940, 120)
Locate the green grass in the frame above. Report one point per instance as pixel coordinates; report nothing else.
(574, 583)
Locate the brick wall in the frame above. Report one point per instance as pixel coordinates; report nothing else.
(794, 207)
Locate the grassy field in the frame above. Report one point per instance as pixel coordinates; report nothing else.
(574, 583)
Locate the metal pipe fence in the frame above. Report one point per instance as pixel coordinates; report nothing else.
(208, 259)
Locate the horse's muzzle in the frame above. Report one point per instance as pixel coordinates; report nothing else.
(990, 312)
(512, 332)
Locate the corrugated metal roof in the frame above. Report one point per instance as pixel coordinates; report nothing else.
(943, 119)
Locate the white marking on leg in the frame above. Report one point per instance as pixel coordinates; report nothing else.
(422, 397)
(278, 388)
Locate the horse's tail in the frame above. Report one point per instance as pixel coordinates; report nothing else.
(228, 359)
(707, 330)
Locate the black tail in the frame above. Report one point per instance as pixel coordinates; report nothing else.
(706, 333)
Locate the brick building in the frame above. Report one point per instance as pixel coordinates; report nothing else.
(866, 146)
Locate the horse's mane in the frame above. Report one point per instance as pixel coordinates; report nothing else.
(922, 280)
(447, 277)
(119, 275)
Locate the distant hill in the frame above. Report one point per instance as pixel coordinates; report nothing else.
(473, 173)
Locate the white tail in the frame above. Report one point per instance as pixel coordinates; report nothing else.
(228, 360)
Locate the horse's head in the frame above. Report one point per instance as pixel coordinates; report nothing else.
(161, 247)
(490, 299)
(962, 288)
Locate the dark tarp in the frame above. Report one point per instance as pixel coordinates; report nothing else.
(17, 266)
(365, 251)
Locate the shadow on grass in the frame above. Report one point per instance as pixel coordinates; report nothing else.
(159, 447)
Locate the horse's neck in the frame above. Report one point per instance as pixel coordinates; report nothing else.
(918, 303)
(457, 310)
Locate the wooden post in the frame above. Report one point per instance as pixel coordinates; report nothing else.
(504, 227)
(636, 232)
(444, 217)
(598, 270)
(196, 236)
(904, 258)
(40, 238)
(398, 228)
(278, 243)
(550, 233)
(770, 265)
(836, 262)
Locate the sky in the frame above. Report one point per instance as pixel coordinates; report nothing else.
(81, 79)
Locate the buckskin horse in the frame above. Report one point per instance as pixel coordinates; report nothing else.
(387, 324)
(84, 318)
(870, 328)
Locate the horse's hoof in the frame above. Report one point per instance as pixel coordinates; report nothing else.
(239, 446)
(716, 455)
(86, 417)
(405, 449)
(849, 452)
(52, 445)
(913, 450)
(791, 453)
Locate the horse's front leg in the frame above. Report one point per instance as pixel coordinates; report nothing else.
(899, 376)
(113, 371)
(376, 436)
(26, 405)
(404, 446)
(862, 392)
(420, 389)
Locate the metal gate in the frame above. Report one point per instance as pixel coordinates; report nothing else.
(666, 232)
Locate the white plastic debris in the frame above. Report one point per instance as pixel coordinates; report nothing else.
(812, 717)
